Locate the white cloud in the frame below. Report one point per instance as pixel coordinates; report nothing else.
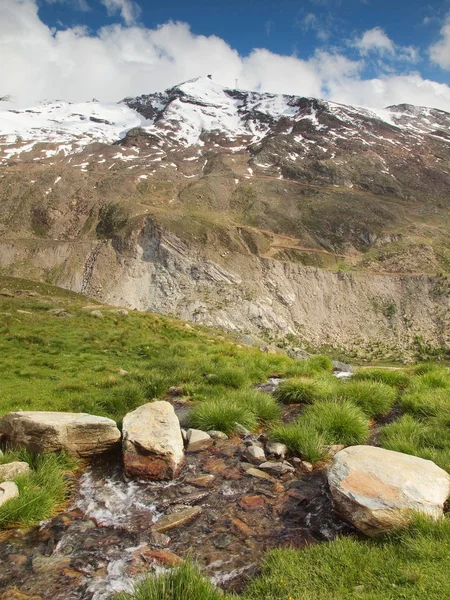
(128, 9)
(118, 61)
(376, 41)
(440, 52)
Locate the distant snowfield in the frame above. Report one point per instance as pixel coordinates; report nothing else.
(197, 106)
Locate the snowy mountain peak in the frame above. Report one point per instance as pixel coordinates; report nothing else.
(202, 112)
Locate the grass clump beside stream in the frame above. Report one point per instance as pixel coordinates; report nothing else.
(322, 424)
(412, 564)
(42, 491)
(184, 582)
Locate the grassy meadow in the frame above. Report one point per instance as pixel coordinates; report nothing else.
(109, 366)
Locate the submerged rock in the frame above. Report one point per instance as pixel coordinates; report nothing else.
(377, 490)
(78, 434)
(177, 519)
(152, 442)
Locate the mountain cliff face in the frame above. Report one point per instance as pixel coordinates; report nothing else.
(257, 212)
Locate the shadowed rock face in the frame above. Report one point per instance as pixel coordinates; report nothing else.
(152, 442)
(377, 490)
(78, 434)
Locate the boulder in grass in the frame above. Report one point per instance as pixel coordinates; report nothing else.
(10, 470)
(8, 491)
(377, 490)
(152, 442)
(78, 434)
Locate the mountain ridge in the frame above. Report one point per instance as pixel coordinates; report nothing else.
(212, 185)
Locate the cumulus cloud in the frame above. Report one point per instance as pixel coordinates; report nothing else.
(440, 52)
(376, 41)
(38, 62)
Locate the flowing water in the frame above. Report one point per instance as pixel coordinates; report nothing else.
(106, 538)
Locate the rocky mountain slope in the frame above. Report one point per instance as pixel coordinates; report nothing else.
(259, 212)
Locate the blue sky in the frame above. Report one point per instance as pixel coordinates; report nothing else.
(361, 51)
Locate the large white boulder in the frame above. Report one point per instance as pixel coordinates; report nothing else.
(152, 442)
(78, 434)
(377, 490)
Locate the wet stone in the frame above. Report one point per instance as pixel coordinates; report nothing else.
(50, 564)
(198, 440)
(275, 468)
(259, 474)
(177, 519)
(252, 502)
(255, 454)
(163, 557)
(231, 474)
(222, 541)
(242, 527)
(214, 465)
(160, 540)
(203, 481)
(15, 594)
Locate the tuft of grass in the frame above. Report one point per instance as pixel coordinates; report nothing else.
(42, 491)
(320, 362)
(434, 380)
(323, 423)
(426, 403)
(426, 367)
(184, 582)
(222, 414)
(372, 397)
(265, 407)
(338, 422)
(428, 439)
(230, 377)
(302, 440)
(411, 564)
(124, 399)
(396, 379)
(153, 385)
(307, 391)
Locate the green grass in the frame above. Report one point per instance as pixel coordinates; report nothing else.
(412, 564)
(307, 391)
(42, 491)
(322, 424)
(222, 414)
(423, 402)
(302, 440)
(338, 422)
(374, 398)
(428, 438)
(247, 407)
(52, 363)
(184, 582)
(396, 379)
